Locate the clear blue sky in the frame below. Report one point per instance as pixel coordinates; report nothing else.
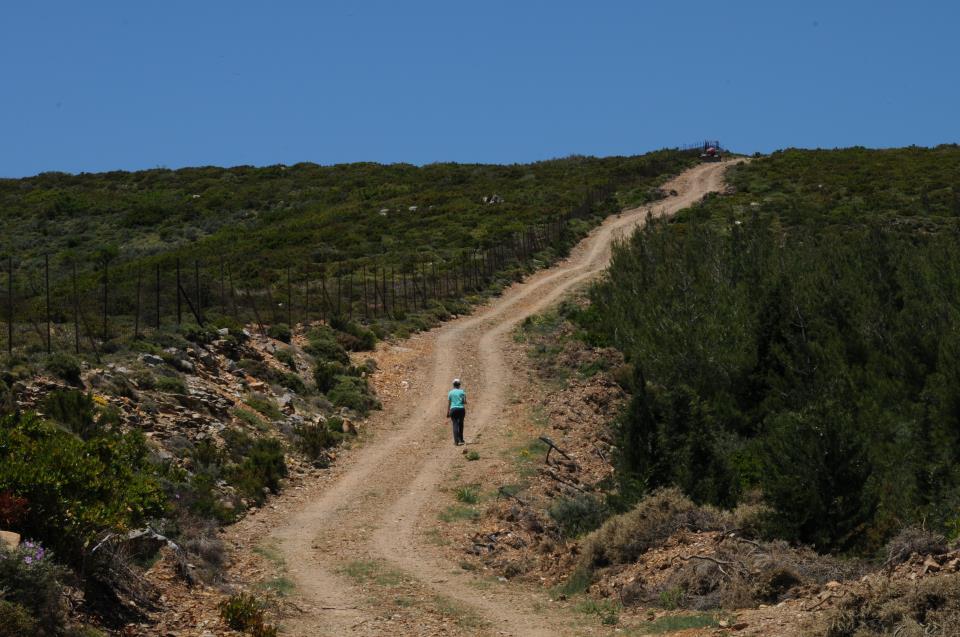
(93, 86)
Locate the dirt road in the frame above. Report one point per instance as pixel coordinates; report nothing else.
(371, 521)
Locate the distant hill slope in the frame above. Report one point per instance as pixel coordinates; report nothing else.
(290, 214)
(910, 187)
(293, 243)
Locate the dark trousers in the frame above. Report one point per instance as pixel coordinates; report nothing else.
(456, 417)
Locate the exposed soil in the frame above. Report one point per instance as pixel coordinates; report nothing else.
(359, 544)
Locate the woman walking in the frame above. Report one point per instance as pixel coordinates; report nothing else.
(456, 410)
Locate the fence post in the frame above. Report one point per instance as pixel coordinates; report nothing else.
(76, 311)
(223, 298)
(46, 285)
(136, 316)
(196, 284)
(366, 303)
(179, 312)
(10, 306)
(289, 301)
(306, 301)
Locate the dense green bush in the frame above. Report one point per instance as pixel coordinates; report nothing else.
(75, 410)
(579, 514)
(326, 373)
(353, 336)
(293, 382)
(75, 488)
(244, 612)
(30, 585)
(16, 620)
(257, 465)
(171, 385)
(322, 344)
(285, 356)
(280, 332)
(807, 347)
(353, 393)
(314, 439)
(65, 367)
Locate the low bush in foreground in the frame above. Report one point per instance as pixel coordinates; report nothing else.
(75, 488)
(244, 612)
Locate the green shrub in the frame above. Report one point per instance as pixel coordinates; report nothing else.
(285, 356)
(65, 367)
(200, 335)
(76, 488)
(322, 344)
(294, 383)
(75, 410)
(468, 495)
(171, 385)
(352, 336)
(353, 393)
(265, 405)
(16, 620)
(244, 612)
(623, 538)
(259, 465)
(325, 375)
(578, 515)
(280, 332)
(250, 418)
(335, 424)
(313, 440)
(473, 455)
(30, 579)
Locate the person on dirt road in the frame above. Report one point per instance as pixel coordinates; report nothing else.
(456, 410)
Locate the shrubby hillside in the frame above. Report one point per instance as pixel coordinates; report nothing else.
(798, 339)
(289, 215)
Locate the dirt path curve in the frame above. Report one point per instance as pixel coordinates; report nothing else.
(374, 512)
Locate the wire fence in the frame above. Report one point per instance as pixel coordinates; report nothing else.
(54, 307)
(702, 146)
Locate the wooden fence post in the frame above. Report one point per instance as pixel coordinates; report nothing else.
(196, 284)
(289, 300)
(76, 311)
(136, 315)
(157, 296)
(179, 309)
(10, 306)
(106, 287)
(46, 285)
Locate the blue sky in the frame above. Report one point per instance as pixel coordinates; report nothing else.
(93, 86)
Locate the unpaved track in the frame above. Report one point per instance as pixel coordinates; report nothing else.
(375, 510)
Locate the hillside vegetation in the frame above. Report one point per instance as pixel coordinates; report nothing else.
(799, 339)
(298, 243)
(142, 420)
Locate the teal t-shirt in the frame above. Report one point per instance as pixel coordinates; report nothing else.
(456, 397)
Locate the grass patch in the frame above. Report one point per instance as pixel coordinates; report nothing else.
(578, 582)
(606, 610)
(264, 405)
(280, 586)
(674, 623)
(526, 457)
(270, 553)
(250, 418)
(456, 513)
(473, 455)
(372, 572)
(468, 494)
(464, 617)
